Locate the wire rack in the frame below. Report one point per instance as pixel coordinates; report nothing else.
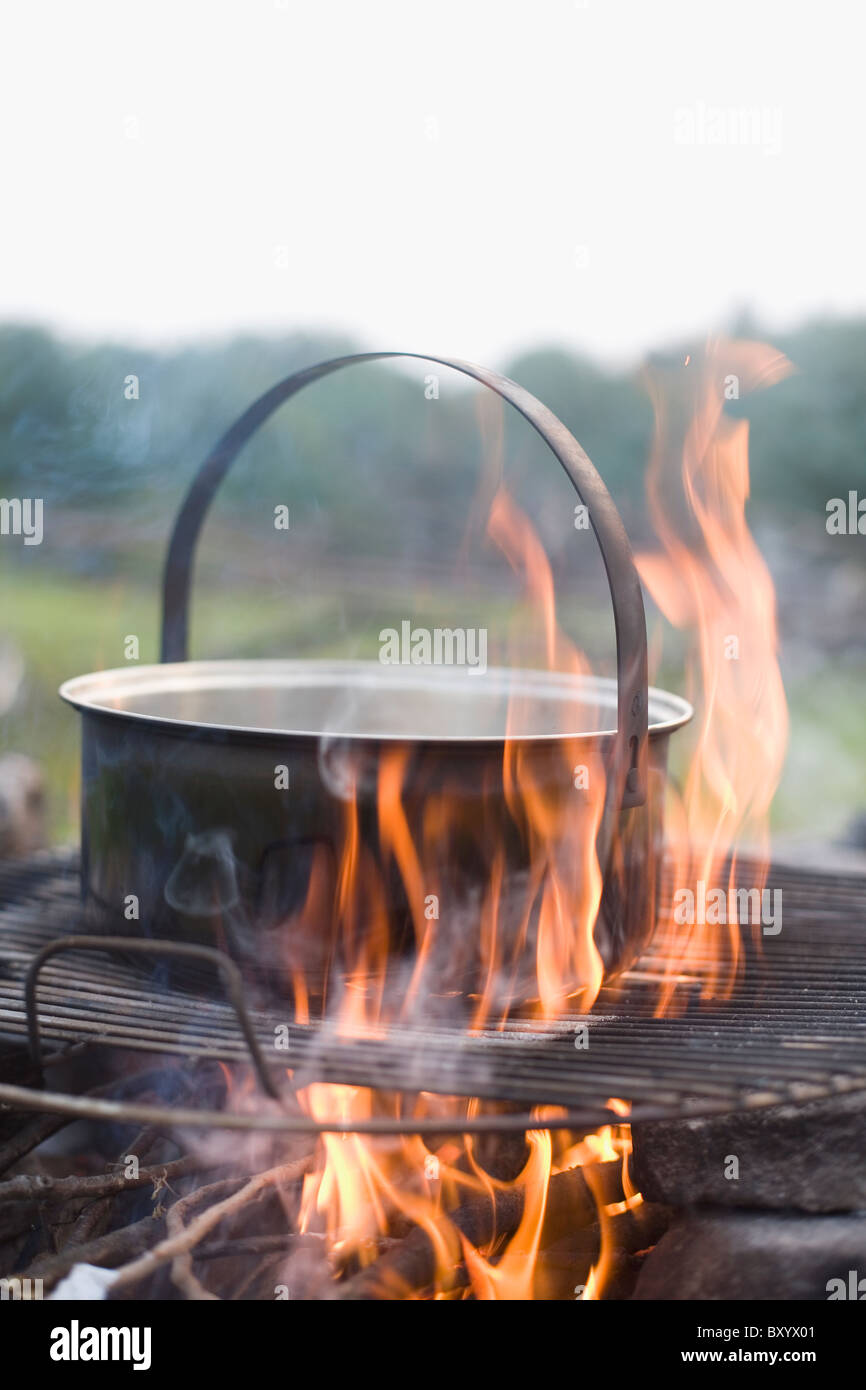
(794, 1029)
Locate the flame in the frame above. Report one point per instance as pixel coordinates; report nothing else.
(513, 1276)
(710, 581)
(537, 954)
(563, 849)
(534, 945)
(344, 1194)
(362, 1186)
(534, 938)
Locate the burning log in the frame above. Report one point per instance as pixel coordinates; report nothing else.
(411, 1266)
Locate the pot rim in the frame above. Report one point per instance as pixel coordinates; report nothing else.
(99, 691)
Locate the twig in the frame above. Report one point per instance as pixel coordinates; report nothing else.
(189, 1236)
(43, 1188)
(94, 1217)
(258, 1245)
(29, 1138)
(182, 1274)
(107, 1251)
(56, 1117)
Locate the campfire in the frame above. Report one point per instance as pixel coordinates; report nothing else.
(471, 999)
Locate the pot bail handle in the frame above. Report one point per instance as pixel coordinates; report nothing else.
(629, 771)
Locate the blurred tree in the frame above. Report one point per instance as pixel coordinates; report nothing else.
(368, 445)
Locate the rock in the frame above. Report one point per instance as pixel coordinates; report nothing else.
(22, 806)
(713, 1254)
(11, 674)
(808, 1157)
(855, 833)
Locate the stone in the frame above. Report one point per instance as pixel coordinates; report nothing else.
(809, 1157)
(22, 806)
(710, 1253)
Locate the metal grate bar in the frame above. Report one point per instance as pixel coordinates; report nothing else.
(794, 1029)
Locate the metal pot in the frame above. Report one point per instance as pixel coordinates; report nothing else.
(212, 790)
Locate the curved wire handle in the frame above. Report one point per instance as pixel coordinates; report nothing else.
(629, 772)
(148, 946)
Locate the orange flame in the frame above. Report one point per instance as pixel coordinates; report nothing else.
(535, 942)
(359, 1184)
(711, 581)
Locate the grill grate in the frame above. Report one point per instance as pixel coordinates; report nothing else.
(794, 1030)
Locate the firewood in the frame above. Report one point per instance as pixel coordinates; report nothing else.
(40, 1187)
(186, 1237)
(411, 1266)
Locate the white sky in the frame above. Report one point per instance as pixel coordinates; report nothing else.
(156, 154)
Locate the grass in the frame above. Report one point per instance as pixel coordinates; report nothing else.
(66, 626)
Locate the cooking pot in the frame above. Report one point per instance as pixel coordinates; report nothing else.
(243, 803)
